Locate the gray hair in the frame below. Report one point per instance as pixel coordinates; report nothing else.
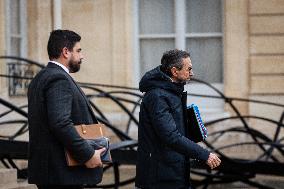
(173, 58)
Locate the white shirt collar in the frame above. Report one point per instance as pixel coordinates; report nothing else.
(61, 65)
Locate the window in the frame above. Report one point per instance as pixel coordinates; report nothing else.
(156, 31)
(204, 38)
(16, 28)
(193, 25)
(16, 44)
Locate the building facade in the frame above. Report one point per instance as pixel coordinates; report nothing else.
(236, 45)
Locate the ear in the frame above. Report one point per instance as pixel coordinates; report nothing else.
(65, 52)
(174, 71)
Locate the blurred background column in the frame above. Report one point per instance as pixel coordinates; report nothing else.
(236, 65)
(180, 26)
(57, 16)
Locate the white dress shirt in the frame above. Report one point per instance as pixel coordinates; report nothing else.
(61, 65)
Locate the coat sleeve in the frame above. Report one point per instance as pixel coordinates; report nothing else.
(165, 128)
(58, 95)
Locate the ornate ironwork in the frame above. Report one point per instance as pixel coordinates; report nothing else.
(18, 86)
(267, 159)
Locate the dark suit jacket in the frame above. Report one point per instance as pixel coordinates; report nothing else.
(55, 105)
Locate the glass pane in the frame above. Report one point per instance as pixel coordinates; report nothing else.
(206, 57)
(15, 46)
(203, 16)
(15, 16)
(156, 16)
(152, 51)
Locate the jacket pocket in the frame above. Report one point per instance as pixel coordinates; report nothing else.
(170, 171)
(171, 167)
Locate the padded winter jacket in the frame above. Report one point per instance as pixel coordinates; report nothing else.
(163, 147)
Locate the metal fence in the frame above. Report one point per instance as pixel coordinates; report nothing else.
(267, 158)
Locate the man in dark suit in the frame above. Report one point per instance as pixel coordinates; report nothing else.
(164, 148)
(55, 104)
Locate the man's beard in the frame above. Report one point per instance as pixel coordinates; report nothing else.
(74, 66)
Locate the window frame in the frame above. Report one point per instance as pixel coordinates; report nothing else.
(22, 35)
(180, 36)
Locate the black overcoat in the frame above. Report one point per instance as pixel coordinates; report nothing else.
(163, 147)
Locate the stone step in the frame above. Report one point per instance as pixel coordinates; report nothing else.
(19, 185)
(8, 176)
(8, 180)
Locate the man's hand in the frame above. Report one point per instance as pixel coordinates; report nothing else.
(213, 161)
(95, 161)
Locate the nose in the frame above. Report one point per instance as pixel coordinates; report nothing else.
(191, 73)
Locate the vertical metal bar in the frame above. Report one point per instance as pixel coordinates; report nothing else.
(116, 175)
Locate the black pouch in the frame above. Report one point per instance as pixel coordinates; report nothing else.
(102, 142)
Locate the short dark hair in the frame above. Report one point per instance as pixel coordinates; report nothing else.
(59, 39)
(173, 58)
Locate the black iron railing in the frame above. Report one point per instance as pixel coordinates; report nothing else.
(267, 158)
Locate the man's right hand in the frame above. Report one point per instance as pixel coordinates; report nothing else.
(213, 161)
(95, 161)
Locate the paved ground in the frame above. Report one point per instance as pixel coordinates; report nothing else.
(126, 172)
(272, 181)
